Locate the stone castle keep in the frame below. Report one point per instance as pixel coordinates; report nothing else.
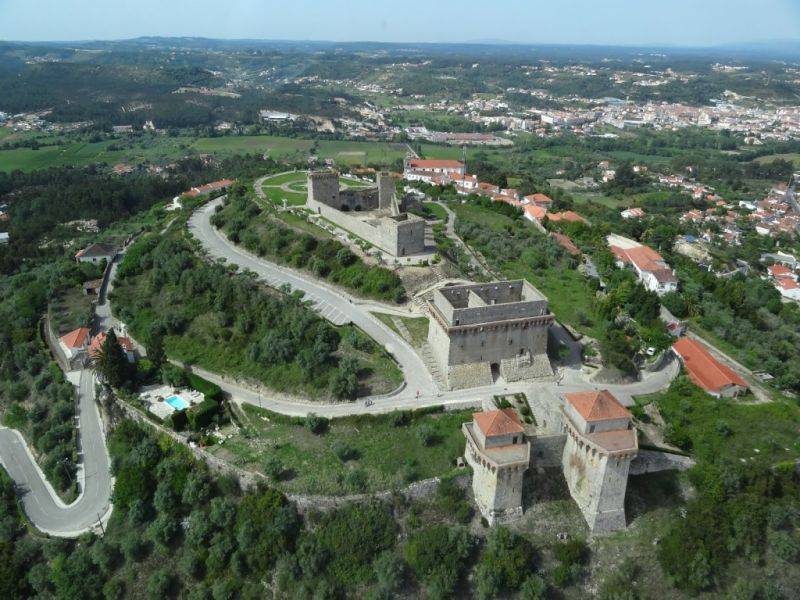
(479, 332)
(374, 213)
(589, 435)
(499, 454)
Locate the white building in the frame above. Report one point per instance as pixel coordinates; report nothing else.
(650, 267)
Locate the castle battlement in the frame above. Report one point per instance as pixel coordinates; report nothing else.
(480, 331)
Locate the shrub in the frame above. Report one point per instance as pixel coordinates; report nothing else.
(202, 415)
(427, 435)
(273, 468)
(344, 451)
(316, 424)
(438, 556)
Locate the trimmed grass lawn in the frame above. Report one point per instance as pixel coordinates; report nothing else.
(436, 210)
(417, 326)
(382, 453)
(297, 184)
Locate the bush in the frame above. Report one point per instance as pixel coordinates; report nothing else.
(202, 415)
(438, 556)
(178, 420)
(273, 468)
(427, 435)
(343, 451)
(316, 424)
(504, 564)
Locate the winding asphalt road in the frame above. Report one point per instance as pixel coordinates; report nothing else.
(335, 305)
(340, 307)
(42, 505)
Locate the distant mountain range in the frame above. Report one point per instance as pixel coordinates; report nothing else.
(761, 50)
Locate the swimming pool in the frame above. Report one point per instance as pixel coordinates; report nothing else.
(177, 402)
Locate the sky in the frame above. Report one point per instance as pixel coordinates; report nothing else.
(613, 22)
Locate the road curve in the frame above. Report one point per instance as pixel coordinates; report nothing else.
(44, 508)
(420, 390)
(336, 305)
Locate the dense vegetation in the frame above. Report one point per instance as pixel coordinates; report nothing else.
(245, 223)
(747, 314)
(268, 336)
(34, 395)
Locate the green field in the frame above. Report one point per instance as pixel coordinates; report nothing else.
(417, 327)
(436, 210)
(384, 452)
(795, 158)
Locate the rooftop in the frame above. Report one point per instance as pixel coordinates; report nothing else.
(498, 422)
(706, 371)
(75, 338)
(597, 406)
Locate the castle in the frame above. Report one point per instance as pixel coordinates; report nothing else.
(373, 214)
(591, 437)
(499, 454)
(479, 332)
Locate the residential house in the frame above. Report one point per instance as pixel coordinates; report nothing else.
(125, 342)
(650, 267)
(74, 342)
(96, 253)
(707, 372)
(632, 213)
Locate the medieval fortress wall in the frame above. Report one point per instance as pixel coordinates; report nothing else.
(501, 325)
(372, 214)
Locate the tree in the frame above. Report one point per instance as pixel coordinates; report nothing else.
(504, 564)
(155, 350)
(110, 362)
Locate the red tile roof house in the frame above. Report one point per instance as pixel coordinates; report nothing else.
(208, 188)
(74, 342)
(652, 270)
(788, 288)
(568, 215)
(125, 342)
(540, 200)
(534, 212)
(706, 371)
(419, 169)
(565, 242)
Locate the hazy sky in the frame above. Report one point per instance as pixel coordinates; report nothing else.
(682, 22)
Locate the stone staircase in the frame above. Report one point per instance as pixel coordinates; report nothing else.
(433, 365)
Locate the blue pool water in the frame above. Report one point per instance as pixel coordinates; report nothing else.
(177, 402)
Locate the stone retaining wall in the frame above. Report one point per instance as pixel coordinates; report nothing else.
(653, 461)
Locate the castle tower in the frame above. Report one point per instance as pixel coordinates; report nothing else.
(323, 186)
(499, 454)
(479, 332)
(386, 193)
(600, 445)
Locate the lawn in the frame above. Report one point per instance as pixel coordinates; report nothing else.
(436, 210)
(296, 183)
(795, 158)
(417, 327)
(379, 452)
(157, 148)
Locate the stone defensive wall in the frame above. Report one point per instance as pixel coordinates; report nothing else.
(653, 461)
(499, 301)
